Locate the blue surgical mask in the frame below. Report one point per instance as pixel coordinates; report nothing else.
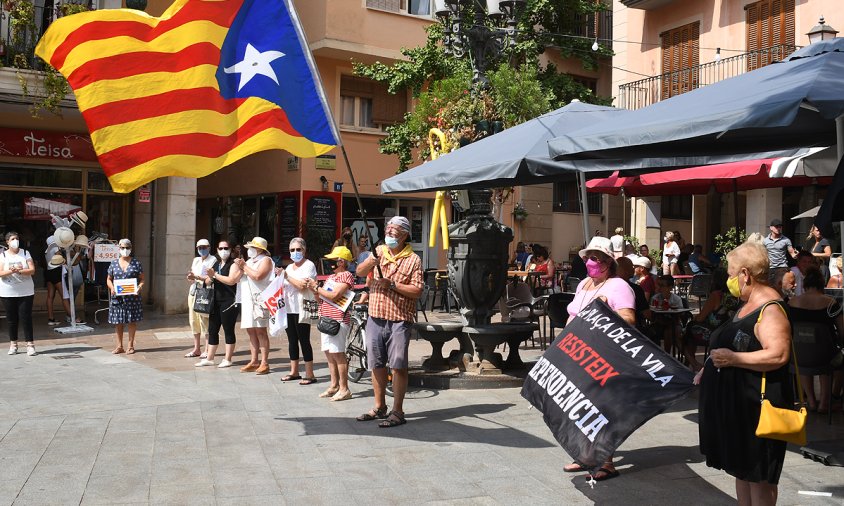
(391, 241)
(203, 252)
(297, 256)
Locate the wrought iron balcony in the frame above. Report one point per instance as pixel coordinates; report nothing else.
(22, 23)
(645, 92)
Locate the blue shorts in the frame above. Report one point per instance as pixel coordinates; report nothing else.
(386, 343)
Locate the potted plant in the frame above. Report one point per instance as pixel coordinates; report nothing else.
(519, 212)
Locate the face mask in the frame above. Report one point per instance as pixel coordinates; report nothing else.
(332, 265)
(347, 236)
(14, 243)
(251, 252)
(125, 252)
(733, 287)
(391, 242)
(594, 269)
(203, 252)
(224, 254)
(297, 256)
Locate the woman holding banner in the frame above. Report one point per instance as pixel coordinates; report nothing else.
(755, 341)
(602, 283)
(331, 301)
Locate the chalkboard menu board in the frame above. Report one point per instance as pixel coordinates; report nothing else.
(322, 212)
(288, 217)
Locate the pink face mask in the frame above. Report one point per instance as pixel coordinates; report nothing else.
(594, 269)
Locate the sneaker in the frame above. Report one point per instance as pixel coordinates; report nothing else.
(51, 322)
(30, 351)
(204, 362)
(225, 363)
(13, 349)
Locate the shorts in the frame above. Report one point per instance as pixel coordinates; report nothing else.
(335, 344)
(198, 321)
(386, 343)
(53, 276)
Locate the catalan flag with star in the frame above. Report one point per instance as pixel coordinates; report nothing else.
(204, 85)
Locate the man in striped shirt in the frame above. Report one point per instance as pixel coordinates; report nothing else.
(392, 309)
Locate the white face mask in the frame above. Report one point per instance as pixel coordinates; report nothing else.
(252, 252)
(125, 252)
(223, 254)
(14, 243)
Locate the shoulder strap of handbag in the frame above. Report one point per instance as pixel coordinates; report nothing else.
(793, 356)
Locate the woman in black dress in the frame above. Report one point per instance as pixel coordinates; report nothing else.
(756, 340)
(225, 274)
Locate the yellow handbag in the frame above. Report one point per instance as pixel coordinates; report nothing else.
(783, 424)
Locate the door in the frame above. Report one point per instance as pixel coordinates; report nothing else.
(417, 213)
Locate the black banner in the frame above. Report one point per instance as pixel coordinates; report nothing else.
(600, 380)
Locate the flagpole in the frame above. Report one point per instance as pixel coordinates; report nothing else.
(300, 32)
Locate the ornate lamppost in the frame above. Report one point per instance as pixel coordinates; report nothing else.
(483, 29)
(821, 31)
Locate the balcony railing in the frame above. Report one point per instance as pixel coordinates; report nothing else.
(647, 91)
(22, 24)
(413, 7)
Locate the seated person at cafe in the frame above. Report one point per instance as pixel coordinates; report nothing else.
(545, 267)
(720, 306)
(698, 263)
(643, 276)
(665, 298)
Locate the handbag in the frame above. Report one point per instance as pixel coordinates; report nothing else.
(203, 299)
(779, 423)
(328, 326)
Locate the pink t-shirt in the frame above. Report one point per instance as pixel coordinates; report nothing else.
(618, 293)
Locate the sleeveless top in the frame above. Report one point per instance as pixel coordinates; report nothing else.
(223, 293)
(730, 404)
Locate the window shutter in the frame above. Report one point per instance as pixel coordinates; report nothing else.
(770, 26)
(680, 59)
(388, 108)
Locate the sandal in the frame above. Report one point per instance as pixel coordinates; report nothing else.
(342, 397)
(118, 350)
(393, 420)
(307, 381)
(191, 354)
(130, 351)
(574, 467)
(373, 414)
(291, 377)
(608, 474)
(329, 393)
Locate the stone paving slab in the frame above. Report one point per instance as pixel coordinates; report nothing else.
(152, 429)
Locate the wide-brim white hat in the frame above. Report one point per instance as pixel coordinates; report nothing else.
(81, 241)
(64, 237)
(598, 243)
(80, 218)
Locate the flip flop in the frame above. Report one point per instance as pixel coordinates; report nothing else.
(290, 377)
(608, 474)
(307, 381)
(192, 354)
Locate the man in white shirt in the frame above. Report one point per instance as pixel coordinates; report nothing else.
(197, 275)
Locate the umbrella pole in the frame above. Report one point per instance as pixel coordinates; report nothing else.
(584, 206)
(735, 203)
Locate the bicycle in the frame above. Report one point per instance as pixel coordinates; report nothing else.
(356, 347)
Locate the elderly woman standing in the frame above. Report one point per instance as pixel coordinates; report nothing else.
(296, 278)
(258, 275)
(754, 342)
(17, 291)
(225, 275)
(602, 283)
(125, 310)
(670, 255)
(198, 274)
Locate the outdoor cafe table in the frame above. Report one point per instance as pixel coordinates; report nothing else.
(682, 283)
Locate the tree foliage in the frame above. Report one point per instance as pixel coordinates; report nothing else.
(521, 87)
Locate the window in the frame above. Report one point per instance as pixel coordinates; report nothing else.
(587, 82)
(567, 199)
(677, 207)
(680, 59)
(414, 7)
(770, 31)
(366, 104)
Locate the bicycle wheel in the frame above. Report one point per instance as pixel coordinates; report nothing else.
(356, 353)
(389, 389)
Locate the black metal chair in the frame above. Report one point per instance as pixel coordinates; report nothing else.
(421, 301)
(556, 306)
(700, 287)
(519, 305)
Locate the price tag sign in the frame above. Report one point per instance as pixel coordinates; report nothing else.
(106, 252)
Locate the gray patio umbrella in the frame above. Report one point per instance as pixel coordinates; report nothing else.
(516, 156)
(769, 112)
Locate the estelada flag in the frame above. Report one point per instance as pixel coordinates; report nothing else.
(204, 85)
(599, 381)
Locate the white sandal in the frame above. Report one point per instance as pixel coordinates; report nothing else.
(13, 349)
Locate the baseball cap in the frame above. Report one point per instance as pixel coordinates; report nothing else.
(340, 252)
(203, 242)
(776, 222)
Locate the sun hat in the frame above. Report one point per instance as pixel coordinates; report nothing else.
(642, 262)
(64, 237)
(257, 242)
(57, 260)
(600, 244)
(203, 242)
(401, 222)
(340, 252)
(81, 241)
(80, 218)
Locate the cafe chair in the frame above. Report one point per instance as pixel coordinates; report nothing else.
(421, 301)
(571, 284)
(814, 348)
(556, 306)
(447, 298)
(519, 305)
(700, 287)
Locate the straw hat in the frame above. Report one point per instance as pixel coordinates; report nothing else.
(598, 243)
(80, 218)
(64, 237)
(57, 260)
(340, 252)
(81, 241)
(259, 243)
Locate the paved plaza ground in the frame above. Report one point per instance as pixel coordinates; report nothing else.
(80, 425)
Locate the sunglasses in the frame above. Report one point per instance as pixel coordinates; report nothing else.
(222, 249)
(595, 258)
(292, 250)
